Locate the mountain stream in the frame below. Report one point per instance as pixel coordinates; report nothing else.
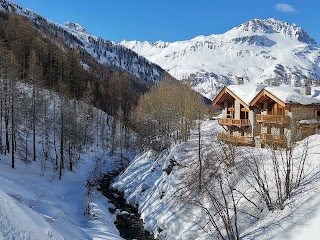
(128, 222)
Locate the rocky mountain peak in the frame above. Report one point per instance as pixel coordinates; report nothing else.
(75, 27)
(272, 25)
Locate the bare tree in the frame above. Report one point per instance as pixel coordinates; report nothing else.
(274, 172)
(215, 195)
(167, 112)
(35, 78)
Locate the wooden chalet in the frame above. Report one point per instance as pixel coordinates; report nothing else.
(287, 114)
(259, 115)
(237, 119)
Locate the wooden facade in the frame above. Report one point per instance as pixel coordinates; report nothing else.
(237, 118)
(266, 120)
(280, 122)
(239, 140)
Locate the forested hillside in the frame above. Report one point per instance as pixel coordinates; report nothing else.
(47, 95)
(58, 67)
(56, 139)
(106, 52)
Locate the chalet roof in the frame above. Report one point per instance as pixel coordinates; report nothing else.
(291, 95)
(286, 94)
(244, 93)
(253, 94)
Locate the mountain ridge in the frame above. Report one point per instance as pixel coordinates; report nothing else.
(261, 51)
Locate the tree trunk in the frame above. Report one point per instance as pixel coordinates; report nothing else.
(61, 141)
(12, 128)
(34, 124)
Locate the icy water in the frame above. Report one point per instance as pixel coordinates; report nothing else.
(128, 220)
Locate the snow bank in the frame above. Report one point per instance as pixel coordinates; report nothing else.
(152, 181)
(43, 207)
(19, 222)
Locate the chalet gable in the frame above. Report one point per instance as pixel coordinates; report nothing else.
(263, 96)
(242, 93)
(226, 95)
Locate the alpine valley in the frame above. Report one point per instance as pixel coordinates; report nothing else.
(100, 141)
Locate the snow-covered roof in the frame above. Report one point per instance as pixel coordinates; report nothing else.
(246, 92)
(285, 93)
(291, 95)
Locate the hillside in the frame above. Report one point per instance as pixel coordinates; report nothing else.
(165, 186)
(261, 51)
(49, 175)
(115, 55)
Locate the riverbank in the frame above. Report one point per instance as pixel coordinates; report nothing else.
(43, 207)
(128, 222)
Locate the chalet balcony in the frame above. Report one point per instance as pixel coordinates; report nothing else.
(240, 140)
(234, 122)
(276, 119)
(272, 139)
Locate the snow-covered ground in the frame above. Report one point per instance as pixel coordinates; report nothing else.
(36, 205)
(43, 207)
(153, 180)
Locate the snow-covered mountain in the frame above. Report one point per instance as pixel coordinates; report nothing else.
(114, 55)
(76, 27)
(261, 51)
(106, 52)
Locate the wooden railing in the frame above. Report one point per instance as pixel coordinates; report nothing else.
(235, 122)
(272, 139)
(242, 140)
(264, 118)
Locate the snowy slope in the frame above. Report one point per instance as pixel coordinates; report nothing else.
(114, 55)
(19, 222)
(42, 207)
(258, 50)
(148, 183)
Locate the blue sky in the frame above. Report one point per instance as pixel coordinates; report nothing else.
(173, 20)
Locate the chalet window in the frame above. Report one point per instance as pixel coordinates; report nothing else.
(244, 114)
(318, 113)
(230, 109)
(230, 114)
(268, 129)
